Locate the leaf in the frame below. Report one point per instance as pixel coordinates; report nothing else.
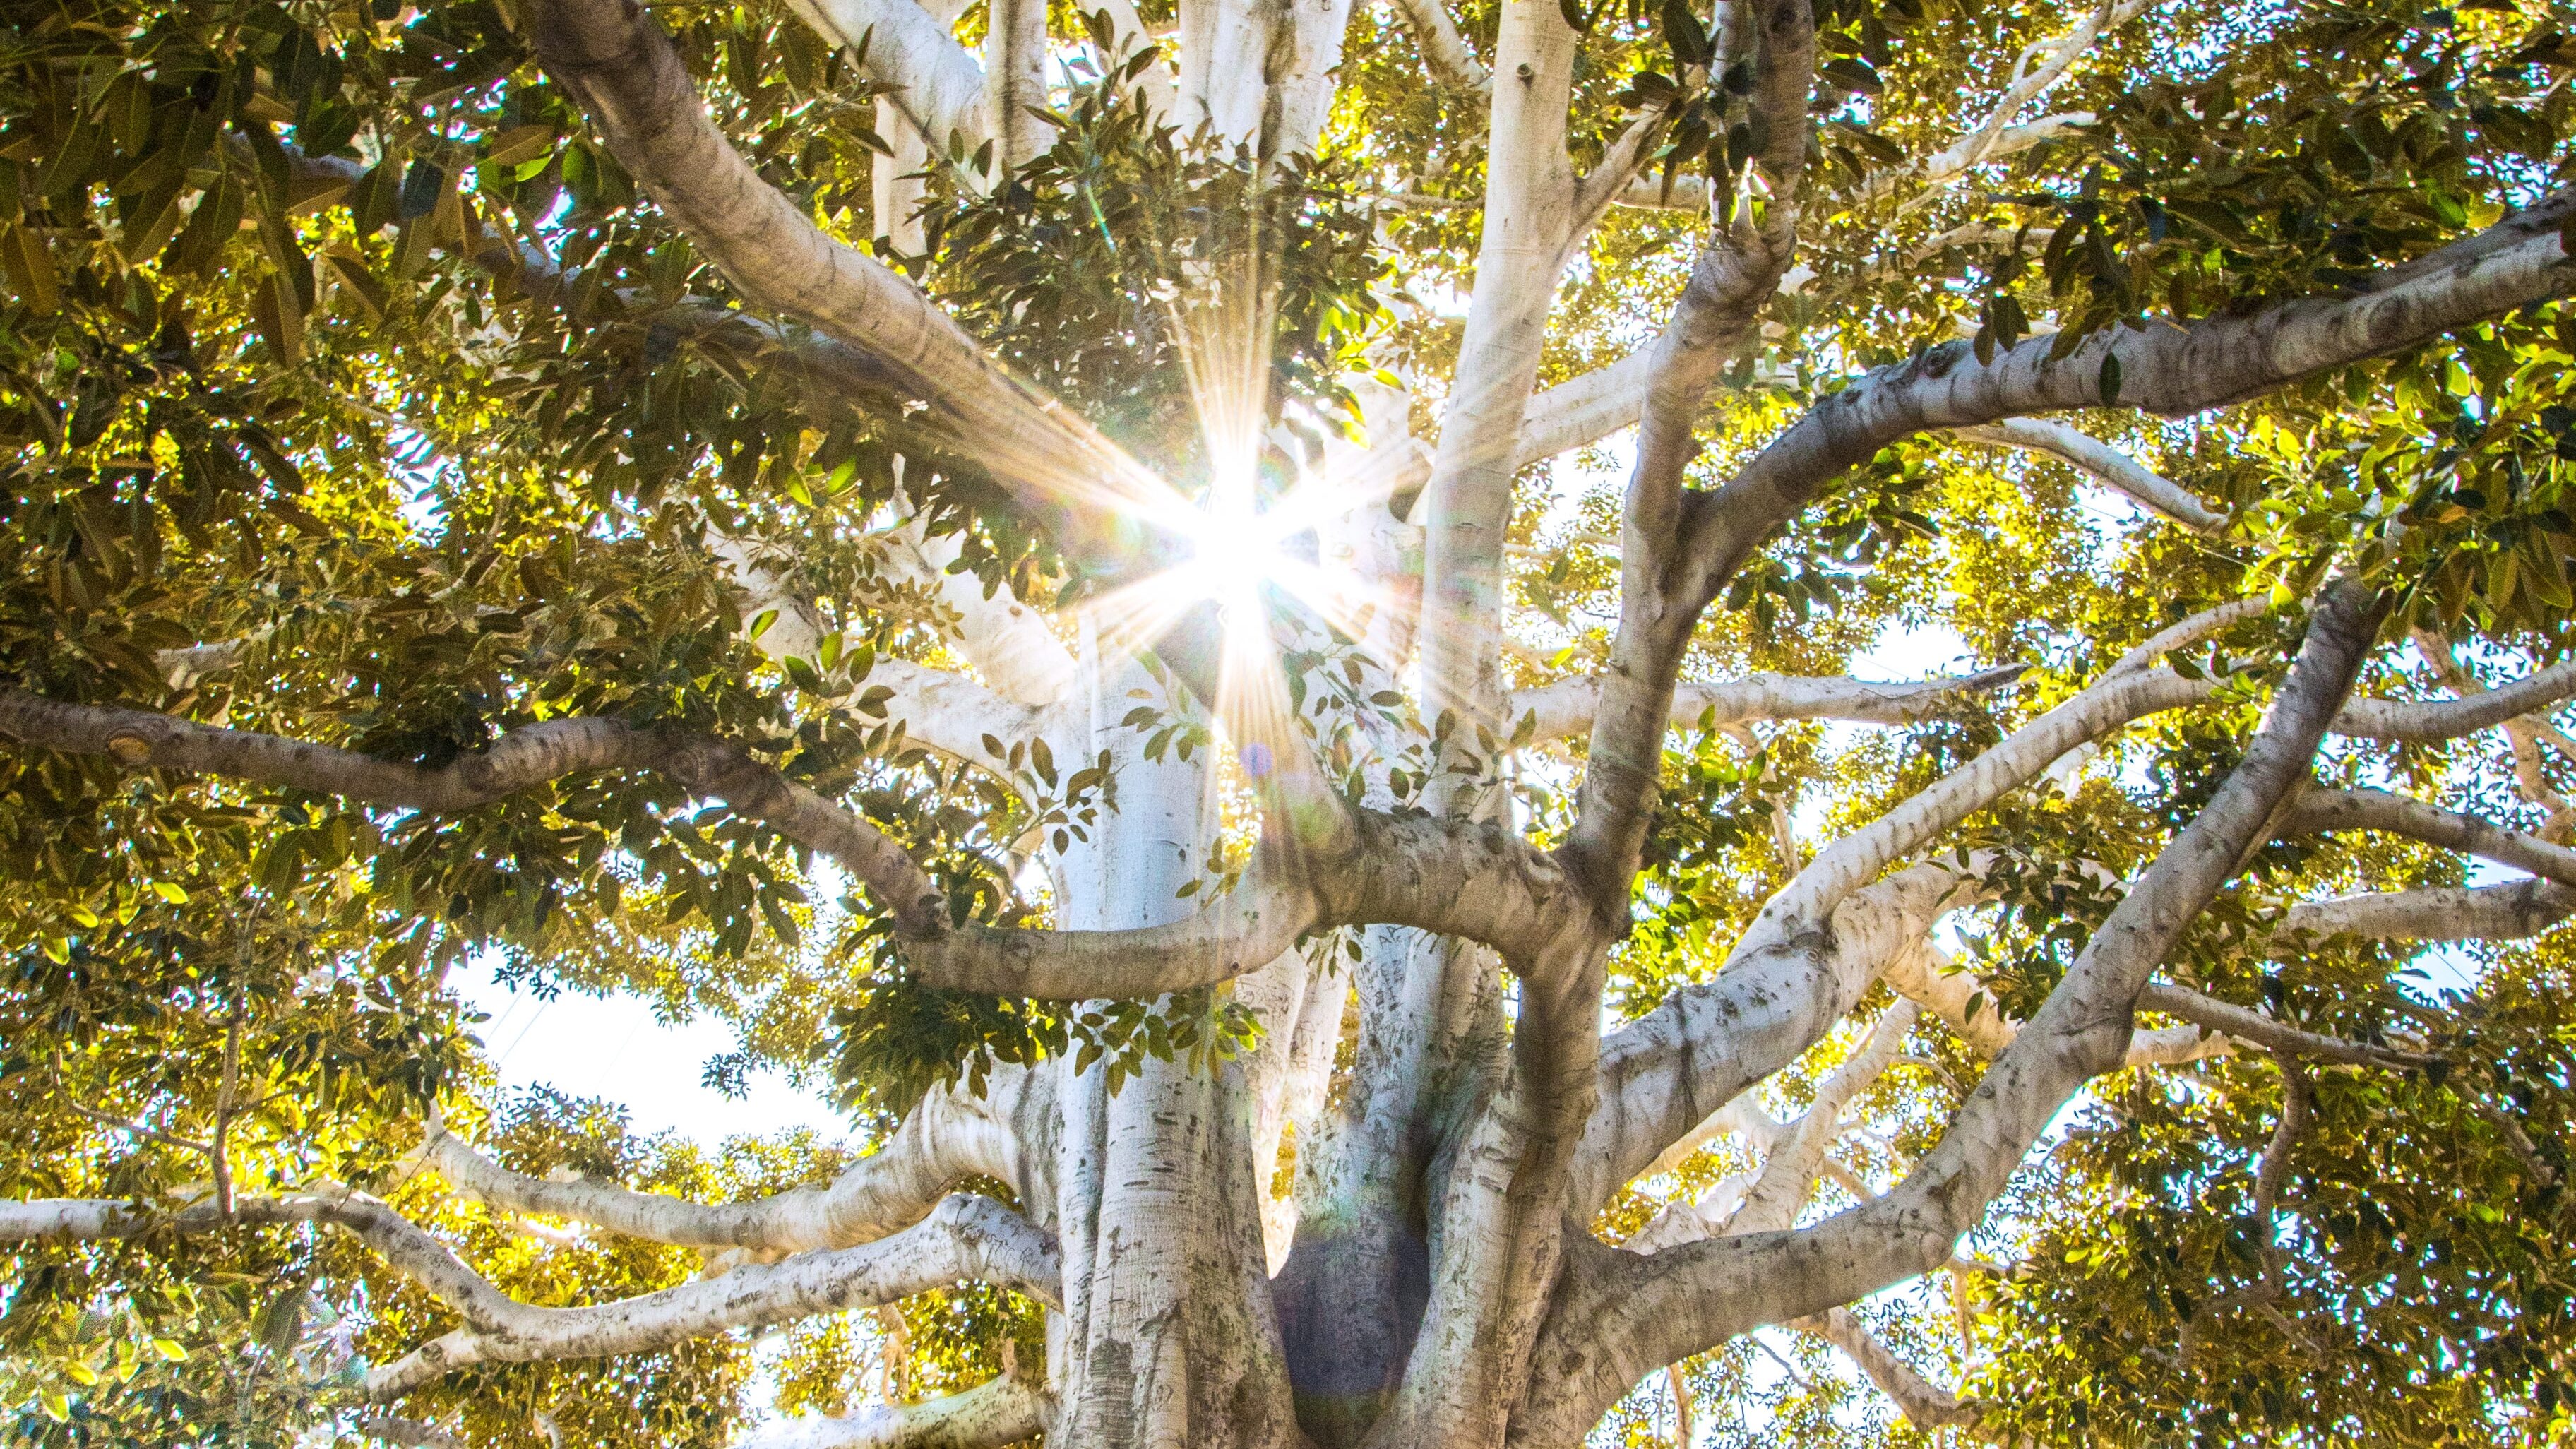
(520, 143)
(30, 269)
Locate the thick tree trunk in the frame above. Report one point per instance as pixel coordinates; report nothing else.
(1352, 1294)
(1168, 1336)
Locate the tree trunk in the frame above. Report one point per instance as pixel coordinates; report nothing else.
(1168, 1335)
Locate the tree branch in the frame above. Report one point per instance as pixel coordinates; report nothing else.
(2166, 369)
(1925, 1404)
(2255, 1028)
(1629, 1320)
(1444, 50)
(2442, 719)
(1583, 410)
(615, 58)
(2437, 913)
(991, 1414)
(2108, 465)
(944, 1139)
(2189, 632)
(2317, 810)
(1458, 878)
(1668, 1072)
(524, 757)
(965, 1238)
(940, 89)
(1566, 707)
(1733, 278)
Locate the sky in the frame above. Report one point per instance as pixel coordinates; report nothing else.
(613, 1047)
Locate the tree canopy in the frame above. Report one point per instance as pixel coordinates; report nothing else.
(1256, 634)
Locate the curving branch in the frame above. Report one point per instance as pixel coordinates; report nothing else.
(1444, 50)
(2164, 368)
(2253, 1027)
(2113, 703)
(1731, 282)
(2188, 632)
(2318, 810)
(1925, 1404)
(965, 1238)
(2429, 720)
(1477, 880)
(618, 62)
(994, 1413)
(520, 759)
(946, 1138)
(1621, 1320)
(2435, 913)
(1566, 707)
(2108, 465)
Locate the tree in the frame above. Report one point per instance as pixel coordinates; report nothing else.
(1051, 588)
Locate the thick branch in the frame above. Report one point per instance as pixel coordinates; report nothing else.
(1732, 280)
(2391, 719)
(2166, 369)
(944, 1139)
(1444, 50)
(940, 88)
(2438, 913)
(1456, 878)
(528, 756)
(1583, 410)
(2324, 810)
(617, 60)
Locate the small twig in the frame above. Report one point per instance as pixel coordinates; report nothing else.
(1786, 1367)
(105, 1119)
(219, 1151)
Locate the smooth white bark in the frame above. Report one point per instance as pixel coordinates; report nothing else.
(2108, 465)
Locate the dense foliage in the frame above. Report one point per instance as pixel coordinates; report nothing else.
(336, 354)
